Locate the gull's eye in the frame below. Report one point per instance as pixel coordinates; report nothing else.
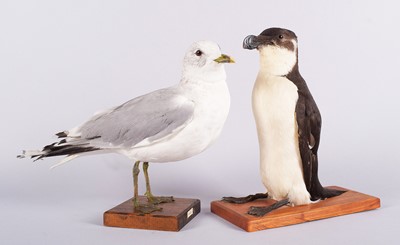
(280, 36)
(198, 53)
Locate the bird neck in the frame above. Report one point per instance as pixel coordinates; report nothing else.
(211, 75)
(276, 61)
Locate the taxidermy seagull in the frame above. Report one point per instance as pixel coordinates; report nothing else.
(288, 125)
(169, 124)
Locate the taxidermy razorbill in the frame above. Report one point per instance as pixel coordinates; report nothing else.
(288, 125)
(166, 125)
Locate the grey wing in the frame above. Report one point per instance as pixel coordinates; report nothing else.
(149, 117)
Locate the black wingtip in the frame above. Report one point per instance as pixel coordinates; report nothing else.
(49, 147)
(61, 134)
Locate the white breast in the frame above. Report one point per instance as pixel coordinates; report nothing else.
(274, 103)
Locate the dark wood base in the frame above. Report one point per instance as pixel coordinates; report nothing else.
(172, 217)
(347, 203)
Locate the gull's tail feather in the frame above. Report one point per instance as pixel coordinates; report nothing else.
(64, 160)
(65, 147)
(57, 150)
(30, 153)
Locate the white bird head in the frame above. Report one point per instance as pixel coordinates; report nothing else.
(204, 61)
(278, 50)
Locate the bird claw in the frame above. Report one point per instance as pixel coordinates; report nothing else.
(246, 199)
(236, 200)
(160, 199)
(147, 208)
(261, 211)
(151, 205)
(258, 211)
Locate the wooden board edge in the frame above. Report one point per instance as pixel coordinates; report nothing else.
(229, 216)
(189, 214)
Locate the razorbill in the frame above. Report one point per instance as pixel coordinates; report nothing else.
(288, 125)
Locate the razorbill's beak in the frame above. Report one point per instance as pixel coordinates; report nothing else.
(224, 59)
(250, 42)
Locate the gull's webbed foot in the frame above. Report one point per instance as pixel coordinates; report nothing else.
(147, 208)
(159, 199)
(241, 200)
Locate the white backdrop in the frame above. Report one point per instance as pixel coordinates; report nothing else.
(60, 61)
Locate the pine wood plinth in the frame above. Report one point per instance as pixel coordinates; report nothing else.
(347, 203)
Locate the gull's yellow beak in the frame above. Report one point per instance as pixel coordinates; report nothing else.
(224, 59)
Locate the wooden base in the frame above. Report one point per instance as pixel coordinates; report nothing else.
(172, 217)
(347, 203)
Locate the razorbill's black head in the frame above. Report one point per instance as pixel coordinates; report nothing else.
(272, 36)
(278, 50)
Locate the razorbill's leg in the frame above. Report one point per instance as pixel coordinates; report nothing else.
(261, 211)
(249, 198)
